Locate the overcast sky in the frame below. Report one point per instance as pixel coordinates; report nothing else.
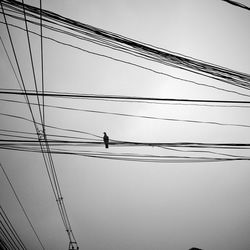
(125, 205)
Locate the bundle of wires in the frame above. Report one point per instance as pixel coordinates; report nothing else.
(82, 31)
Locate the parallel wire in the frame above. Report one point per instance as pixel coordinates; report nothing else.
(132, 64)
(115, 97)
(8, 236)
(162, 56)
(22, 207)
(24, 88)
(128, 143)
(6, 239)
(115, 143)
(11, 228)
(47, 158)
(169, 103)
(42, 63)
(59, 197)
(140, 116)
(134, 157)
(32, 61)
(3, 244)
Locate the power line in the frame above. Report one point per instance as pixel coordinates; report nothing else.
(42, 63)
(139, 49)
(44, 147)
(53, 127)
(136, 65)
(11, 228)
(22, 207)
(3, 243)
(133, 157)
(146, 117)
(237, 4)
(130, 63)
(115, 97)
(8, 236)
(113, 142)
(172, 103)
(32, 61)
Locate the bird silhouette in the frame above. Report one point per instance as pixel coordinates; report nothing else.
(106, 140)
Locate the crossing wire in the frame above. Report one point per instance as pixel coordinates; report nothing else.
(147, 51)
(115, 97)
(130, 63)
(134, 64)
(32, 61)
(44, 147)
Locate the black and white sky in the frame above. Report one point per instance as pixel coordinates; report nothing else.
(121, 204)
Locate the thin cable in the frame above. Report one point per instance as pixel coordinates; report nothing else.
(137, 157)
(3, 244)
(11, 228)
(146, 117)
(115, 97)
(54, 184)
(237, 4)
(173, 103)
(12, 66)
(7, 240)
(32, 62)
(172, 59)
(42, 64)
(22, 207)
(8, 236)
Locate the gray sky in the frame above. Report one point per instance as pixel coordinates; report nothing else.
(128, 205)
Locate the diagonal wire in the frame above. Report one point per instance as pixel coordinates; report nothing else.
(22, 207)
(32, 61)
(45, 157)
(11, 228)
(45, 148)
(42, 64)
(237, 4)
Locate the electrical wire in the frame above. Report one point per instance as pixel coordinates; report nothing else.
(237, 4)
(134, 157)
(134, 64)
(22, 207)
(162, 56)
(32, 62)
(44, 147)
(141, 116)
(115, 97)
(20, 244)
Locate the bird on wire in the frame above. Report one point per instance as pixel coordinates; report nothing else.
(106, 140)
